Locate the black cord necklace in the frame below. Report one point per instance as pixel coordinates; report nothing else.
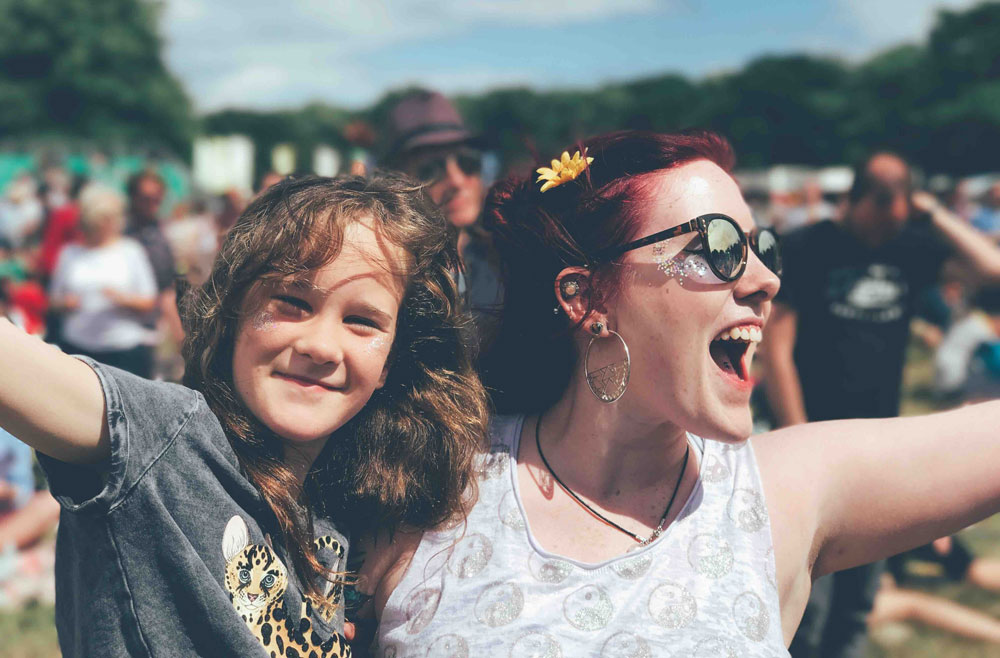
(642, 542)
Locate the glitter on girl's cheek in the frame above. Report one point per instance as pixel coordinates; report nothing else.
(684, 266)
(378, 344)
(263, 321)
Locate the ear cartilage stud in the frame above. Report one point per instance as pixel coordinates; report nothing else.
(570, 288)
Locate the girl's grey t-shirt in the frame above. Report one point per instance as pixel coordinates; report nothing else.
(144, 544)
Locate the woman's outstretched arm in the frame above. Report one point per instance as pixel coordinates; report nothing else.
(866, 489)
(49, 400)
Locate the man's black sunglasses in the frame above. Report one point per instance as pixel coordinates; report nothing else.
(724, 245)
(433, 169)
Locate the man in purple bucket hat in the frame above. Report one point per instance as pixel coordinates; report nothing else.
(427, 139)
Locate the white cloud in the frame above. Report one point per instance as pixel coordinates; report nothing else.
(234, 53)
(889, 22)
(389, 20)
(180, 11)
(270, 80)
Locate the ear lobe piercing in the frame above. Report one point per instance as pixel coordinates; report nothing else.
(609, 382)
(597, 328)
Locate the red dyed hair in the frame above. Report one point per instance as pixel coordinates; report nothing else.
(537, 234)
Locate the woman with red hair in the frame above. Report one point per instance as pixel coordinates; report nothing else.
(621, 510)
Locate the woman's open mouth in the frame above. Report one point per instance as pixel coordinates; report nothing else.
(732, 350)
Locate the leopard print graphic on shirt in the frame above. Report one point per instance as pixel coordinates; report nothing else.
(256, 580)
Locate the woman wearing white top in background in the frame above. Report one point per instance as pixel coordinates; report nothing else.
(101, 288)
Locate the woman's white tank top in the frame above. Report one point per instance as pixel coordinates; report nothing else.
(705, 589)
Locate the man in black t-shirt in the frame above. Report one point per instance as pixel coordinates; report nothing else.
(836, 341)
(854, 304)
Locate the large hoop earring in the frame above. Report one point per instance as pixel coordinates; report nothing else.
(609, 382)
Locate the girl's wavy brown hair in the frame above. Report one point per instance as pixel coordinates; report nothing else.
(407, 457)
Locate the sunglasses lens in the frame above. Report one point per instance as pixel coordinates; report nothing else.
(726, 247)
(471, 164)
(430, 171)
(768, 251)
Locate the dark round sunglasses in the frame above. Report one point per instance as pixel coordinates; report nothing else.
(434, 169)
(724, 245)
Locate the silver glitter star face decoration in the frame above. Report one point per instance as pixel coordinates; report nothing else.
(683, 266)
(263, 321)
(378, 345)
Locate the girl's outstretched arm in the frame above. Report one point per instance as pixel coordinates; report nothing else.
(50, 400)
(854, 491)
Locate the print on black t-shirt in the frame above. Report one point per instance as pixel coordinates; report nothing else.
(877, 293)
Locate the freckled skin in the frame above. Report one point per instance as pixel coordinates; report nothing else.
(256, 581)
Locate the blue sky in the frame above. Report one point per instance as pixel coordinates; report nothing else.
(240, 53)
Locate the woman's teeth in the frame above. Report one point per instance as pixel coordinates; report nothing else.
(749, 332)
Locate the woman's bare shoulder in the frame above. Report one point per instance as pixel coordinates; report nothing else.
(386, 557)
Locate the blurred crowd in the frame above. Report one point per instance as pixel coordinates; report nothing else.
(956, 318)
(92, 269)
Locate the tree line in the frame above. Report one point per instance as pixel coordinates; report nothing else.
(94, 70)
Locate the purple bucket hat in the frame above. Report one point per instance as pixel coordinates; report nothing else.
(424, 119)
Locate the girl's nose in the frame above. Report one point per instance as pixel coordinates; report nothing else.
(320, 342)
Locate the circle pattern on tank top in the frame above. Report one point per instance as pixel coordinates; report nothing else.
(536, 645)
(548, 571)
(715, 470)
(714, 647)
(746, 510)
(751, 616)
(626, 645)
(420, 607)
(672, 606)
(633, 568)
(448, 646)
(470, 555)
(710, 556)
(499, 604)
(588, 608)
(510, 513)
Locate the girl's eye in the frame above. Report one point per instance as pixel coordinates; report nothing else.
(291, 305)
(361, 320)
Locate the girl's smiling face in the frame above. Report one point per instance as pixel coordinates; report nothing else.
(310, 353)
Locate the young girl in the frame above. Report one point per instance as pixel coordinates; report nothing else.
(326, 380)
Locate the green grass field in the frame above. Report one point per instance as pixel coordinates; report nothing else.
(30, 633)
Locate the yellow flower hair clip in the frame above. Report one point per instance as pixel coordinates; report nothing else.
(563, 170)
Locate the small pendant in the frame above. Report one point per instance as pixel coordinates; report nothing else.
(652, 537)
